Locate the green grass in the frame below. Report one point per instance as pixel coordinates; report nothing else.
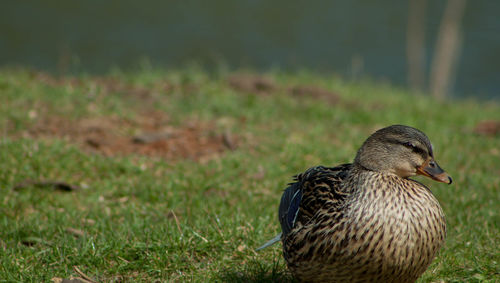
(146, 218)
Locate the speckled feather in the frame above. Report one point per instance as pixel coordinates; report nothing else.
(320, 179)
(350, 224)
(368, 235)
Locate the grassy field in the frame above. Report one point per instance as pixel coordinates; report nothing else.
(176, 176)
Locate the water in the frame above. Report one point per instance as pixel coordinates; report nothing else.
(353, 38)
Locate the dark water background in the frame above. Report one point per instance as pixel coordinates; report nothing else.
(352, 38)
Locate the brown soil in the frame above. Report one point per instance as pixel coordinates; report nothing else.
(265, 85)
(488, 128)
(150, 135)
(314, 92)
(252, 83)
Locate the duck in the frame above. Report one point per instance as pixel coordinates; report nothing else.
(365, 221)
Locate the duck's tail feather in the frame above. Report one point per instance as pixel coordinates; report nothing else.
(270, 242)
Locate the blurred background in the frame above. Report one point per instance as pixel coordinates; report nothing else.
(447, 48)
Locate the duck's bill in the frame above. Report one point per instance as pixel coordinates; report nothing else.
(432, 170)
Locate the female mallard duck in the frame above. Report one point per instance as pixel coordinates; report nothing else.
(365, 221)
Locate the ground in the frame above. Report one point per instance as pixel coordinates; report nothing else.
(176, 176)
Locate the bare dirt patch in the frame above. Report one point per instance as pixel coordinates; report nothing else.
(488, 128)
(252, 83)
(150, 135)
(266, 85)
(314, 92)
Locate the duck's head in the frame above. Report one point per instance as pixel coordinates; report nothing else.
(400, 150)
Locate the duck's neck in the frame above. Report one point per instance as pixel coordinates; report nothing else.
(368, 183)
(360, 178)
(387, 194)
(358, 172)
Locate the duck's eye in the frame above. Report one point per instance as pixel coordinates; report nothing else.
(414, 148)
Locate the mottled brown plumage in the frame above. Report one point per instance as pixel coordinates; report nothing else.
(366, 221)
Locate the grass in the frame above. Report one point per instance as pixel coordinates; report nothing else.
(141, 218)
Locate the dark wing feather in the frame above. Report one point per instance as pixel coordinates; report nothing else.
(289, 206)
(308, 194)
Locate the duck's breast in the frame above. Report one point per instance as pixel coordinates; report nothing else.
(397, 226)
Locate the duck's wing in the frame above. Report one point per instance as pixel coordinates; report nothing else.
(308, 194)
